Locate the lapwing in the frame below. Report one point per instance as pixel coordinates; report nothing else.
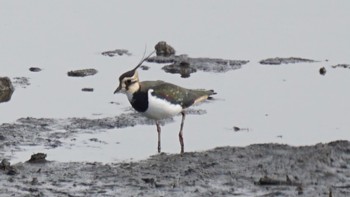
(159, 100)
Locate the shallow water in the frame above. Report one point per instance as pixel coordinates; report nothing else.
(290, 104)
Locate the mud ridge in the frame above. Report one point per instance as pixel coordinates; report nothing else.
(319, 170)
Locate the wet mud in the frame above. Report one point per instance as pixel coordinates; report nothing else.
(184, 65)
(255, 170)
(341, 66)
(289, 60)
(115, 52)
(82, 72)
(21, 82)
(50, 132)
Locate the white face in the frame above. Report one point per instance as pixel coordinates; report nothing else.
(127, 84)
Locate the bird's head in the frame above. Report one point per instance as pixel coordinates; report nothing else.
(129, 81)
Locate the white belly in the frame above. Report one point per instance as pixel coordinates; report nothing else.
(160, 109)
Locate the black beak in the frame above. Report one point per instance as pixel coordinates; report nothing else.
(117, 90)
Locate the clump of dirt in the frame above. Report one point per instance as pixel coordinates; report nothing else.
(341, 66)
(82, 72)
(255, 170)
(37, 158)
(288, 60)
(34, 69)
(119, 52)
(22, 82)
(185, 65)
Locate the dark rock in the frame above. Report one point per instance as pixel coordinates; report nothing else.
(5, 164)
(119, 52)
(34, 69)
(37, 158)
(6, 84)
(163, 49)
(82, 72)
(34, 181)
(87, 89)
(12, 171)
(323, 71)
(278, 60)
(6, 89)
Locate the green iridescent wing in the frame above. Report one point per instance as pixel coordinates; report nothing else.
(178, 95)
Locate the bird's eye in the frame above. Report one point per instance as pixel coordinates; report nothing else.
(128, 82)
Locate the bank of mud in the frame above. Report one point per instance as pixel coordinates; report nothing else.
(255, 170)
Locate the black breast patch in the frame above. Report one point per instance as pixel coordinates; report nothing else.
(140, 101)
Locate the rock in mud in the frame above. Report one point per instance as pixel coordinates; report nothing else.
(186, 65)
(38, 158)
(34, 69)
(119, 52)
(87, 89)
(322, 71)
(6, 167)
(289, 60)
(6, 84)
(82, 72)
(164, 49)
(5, 164)
(6, 89)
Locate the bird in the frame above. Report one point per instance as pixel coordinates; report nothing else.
(158, 99)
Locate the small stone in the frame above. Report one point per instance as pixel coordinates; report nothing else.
(38, 158)
(34, 69)
(5, 164)
(323, 71)
(34, 181)
(87, 89)
(163, 49)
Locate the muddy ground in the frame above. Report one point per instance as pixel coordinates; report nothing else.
(255, 170)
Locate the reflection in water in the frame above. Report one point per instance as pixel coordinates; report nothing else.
(6, 89)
